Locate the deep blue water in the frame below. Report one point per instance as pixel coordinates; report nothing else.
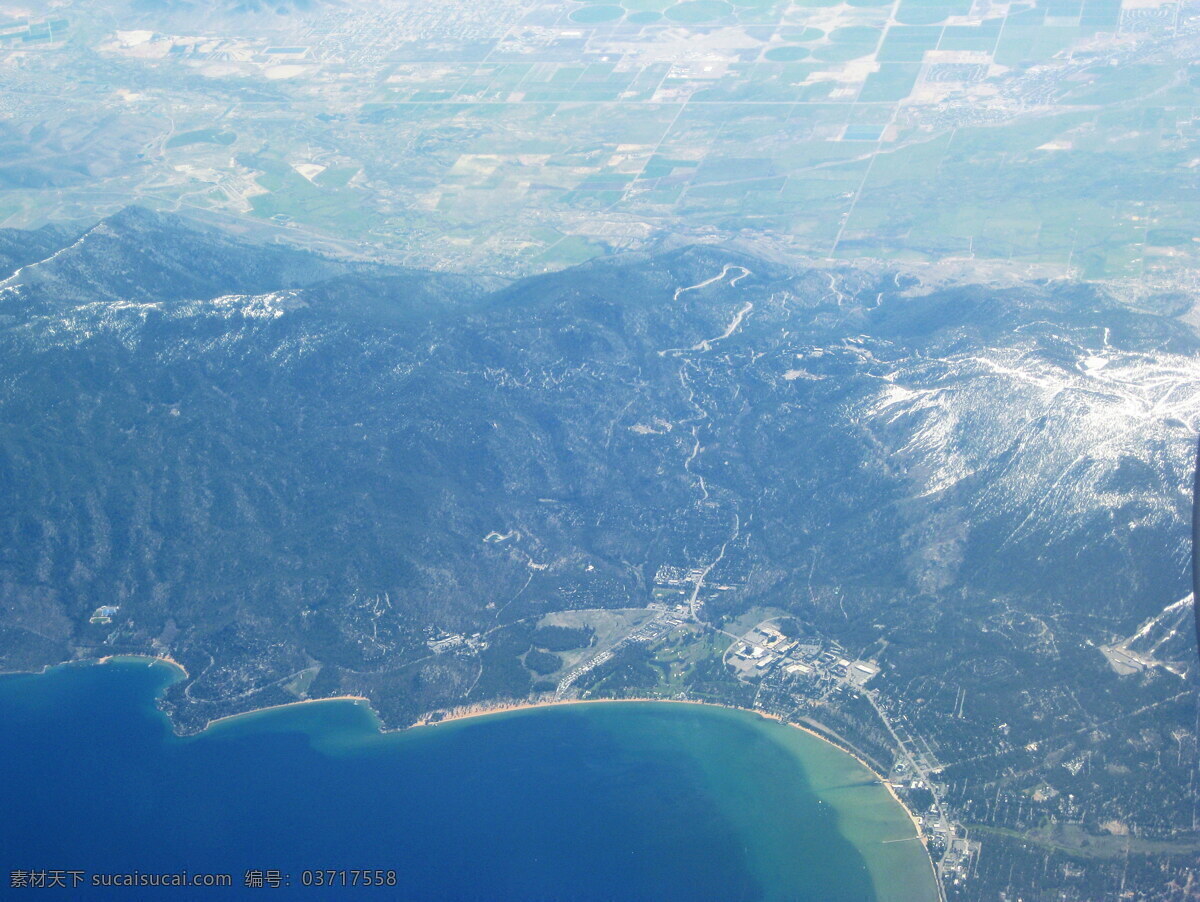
(625, 802)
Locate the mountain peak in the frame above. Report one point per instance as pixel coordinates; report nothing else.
(138, 254)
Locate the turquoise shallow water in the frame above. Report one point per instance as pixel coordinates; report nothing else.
(620, 801)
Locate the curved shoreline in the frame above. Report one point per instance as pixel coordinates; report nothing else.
(355, 699)
(469, 712)
(162, 659)
(486, 710)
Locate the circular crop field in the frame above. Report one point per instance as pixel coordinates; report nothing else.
(785, 54)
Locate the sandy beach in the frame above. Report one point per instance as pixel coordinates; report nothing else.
(164, 659)
(300, 701)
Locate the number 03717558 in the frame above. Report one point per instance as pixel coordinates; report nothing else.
(332, 877)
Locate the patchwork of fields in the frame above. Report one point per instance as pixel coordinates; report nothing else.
(1052, 136)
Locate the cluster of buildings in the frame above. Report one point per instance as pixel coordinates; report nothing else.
(666, 620)
(761, 649)
(765, 647)
(440, 641)
(668, 577)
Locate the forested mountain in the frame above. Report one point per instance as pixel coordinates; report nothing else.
(298, 475)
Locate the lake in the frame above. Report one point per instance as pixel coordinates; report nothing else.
(638, 800)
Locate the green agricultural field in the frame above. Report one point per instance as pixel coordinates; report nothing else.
(899, 130)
